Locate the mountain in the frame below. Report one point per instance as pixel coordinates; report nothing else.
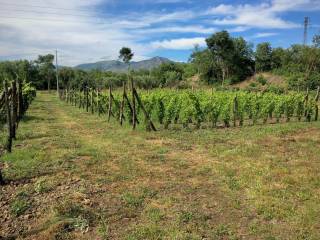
(117, 66)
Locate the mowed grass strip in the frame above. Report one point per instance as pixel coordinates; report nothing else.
(75, 176)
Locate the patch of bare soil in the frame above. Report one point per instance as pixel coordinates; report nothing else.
(271, 79)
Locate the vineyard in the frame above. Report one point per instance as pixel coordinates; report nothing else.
(164, 108)
(14, 102)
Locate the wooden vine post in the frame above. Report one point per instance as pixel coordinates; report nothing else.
(20, 100)
(306, 100)
(74, 97)
(316, 104)
(110, 104)
(80, 98)
(98, 101)
(87, 99)
(122, 104)
(14, 108)
(8, 114)
(235, 110)
(133, 105)
(91, 101)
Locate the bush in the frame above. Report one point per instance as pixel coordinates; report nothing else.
(260, 79)
(275, 89)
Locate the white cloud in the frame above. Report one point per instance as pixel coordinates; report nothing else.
(78, 35)
(179, 44)
(259, 16)
(81, 33)
(264, 15)
(264, 35)
(179, 29)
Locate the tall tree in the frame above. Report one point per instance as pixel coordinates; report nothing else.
(278, 56)
(222, 48)
(263, 57)
(126, 55)
(46, 68)
(242, 60)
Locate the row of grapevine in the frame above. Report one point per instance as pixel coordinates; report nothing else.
(202, 108)
(14, 102)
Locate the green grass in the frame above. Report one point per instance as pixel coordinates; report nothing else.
(259, 182)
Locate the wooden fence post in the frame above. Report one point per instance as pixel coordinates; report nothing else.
(8, 113)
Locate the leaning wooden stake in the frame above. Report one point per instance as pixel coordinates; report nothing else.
(130, 107)
(149, 124)
(9, 120)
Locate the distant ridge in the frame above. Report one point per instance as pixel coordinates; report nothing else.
(118, 66)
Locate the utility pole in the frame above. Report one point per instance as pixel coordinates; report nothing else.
(57, 72)
(306, 26)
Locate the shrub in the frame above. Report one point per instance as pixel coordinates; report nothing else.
(260, 79)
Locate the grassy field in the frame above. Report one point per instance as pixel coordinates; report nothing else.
(75, 176)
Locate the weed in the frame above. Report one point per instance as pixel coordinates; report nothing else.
(150, 232)
(41, 186)
(185, 217)
(103, 230)
(19, 206)
(154, 214)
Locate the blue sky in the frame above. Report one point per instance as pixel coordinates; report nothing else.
(95, 30)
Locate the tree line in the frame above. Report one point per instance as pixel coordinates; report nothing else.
(225, 60)
(231, 60)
